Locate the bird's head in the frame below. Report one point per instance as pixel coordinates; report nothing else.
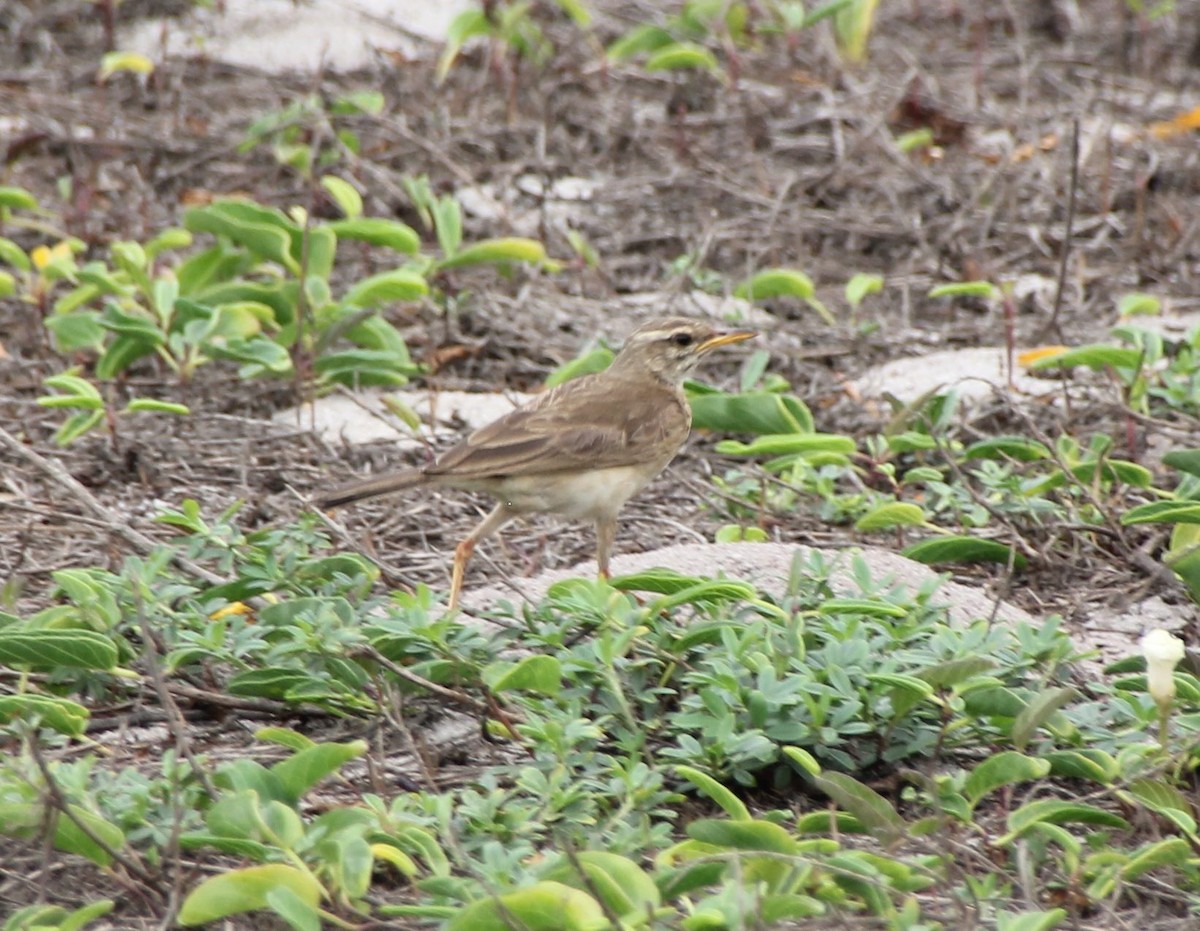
(670, 348)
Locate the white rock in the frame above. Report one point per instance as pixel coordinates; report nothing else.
(281, 35)
(363, 418)
(975, 373)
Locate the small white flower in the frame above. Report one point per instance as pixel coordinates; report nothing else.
(1163, 651)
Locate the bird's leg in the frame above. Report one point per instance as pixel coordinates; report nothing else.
(496, 518)
(606, 534)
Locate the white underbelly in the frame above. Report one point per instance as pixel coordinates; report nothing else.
(593, 495)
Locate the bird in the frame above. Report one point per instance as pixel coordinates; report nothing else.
(579, 450)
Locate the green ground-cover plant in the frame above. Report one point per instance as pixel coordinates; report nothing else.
(621, 708)
(312, 134)
(512, 28)
(261, 295)
(683, 40)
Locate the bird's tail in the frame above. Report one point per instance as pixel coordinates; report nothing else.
(370, 488)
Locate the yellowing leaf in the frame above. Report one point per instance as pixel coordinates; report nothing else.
(1184, 122)
(245, 890)
(115, 62)
(1027, 359)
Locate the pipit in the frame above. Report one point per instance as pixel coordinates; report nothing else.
(580, 450)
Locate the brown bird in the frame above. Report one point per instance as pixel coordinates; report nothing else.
(580, 450)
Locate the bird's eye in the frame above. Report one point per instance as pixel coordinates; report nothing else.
(682, 339)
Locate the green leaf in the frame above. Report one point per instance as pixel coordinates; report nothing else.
(8, 284)
(829, 822)
(539, 674)
(13, 255)
(871, 808)
(364, 367)
(77, 331)
(139, 326)
(621, 885)
(544, 906)
(466, 25)
(391, 234)
(168, 240)
(744, 834)
(580, 15)
(1164, 799)
(84, 916)
(782, 909)
(17, 198)
(595, 361)
(245, 890)
(238, 847)
(60, 714)
(803, 759)
(949, 673)
(368, 102)
(344, 194)
(860, 286)
(267, 233)
(1038, 711)
(852, 28)
(1031, 920)
(964, 289)
(1136, 305)
(270, 682)
(1002, 769)
(50, 648)
(447, 223)
(905, 692)
(301, 771)
(1007, 447)
(1163, 512)
(258, 355)
(789, 444)
(1085, 763)
(70, 837)
(319, 249)
(374, 332)
(644, 38)
(493, 251)
(76, 426)
(301, 915)
(1097, 356)
(241, 320)
(1185, 460)
(729, 803)
(82, 391)
(754, 412)
(826, 10)
(963, 549)
(1170, 852)
(398, 285)
(776, 282)
(1056, 811)
(889, 515)
(705, 592)
(993, 701)
(678, 56)
(916, 139)
(158, 407)
(868, 607)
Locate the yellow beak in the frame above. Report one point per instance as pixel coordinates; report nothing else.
(726, 339)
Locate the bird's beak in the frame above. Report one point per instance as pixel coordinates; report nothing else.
(726, 339)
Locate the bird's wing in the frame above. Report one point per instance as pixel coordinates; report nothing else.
(566, 428)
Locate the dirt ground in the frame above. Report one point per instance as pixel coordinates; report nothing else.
(793, 164)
